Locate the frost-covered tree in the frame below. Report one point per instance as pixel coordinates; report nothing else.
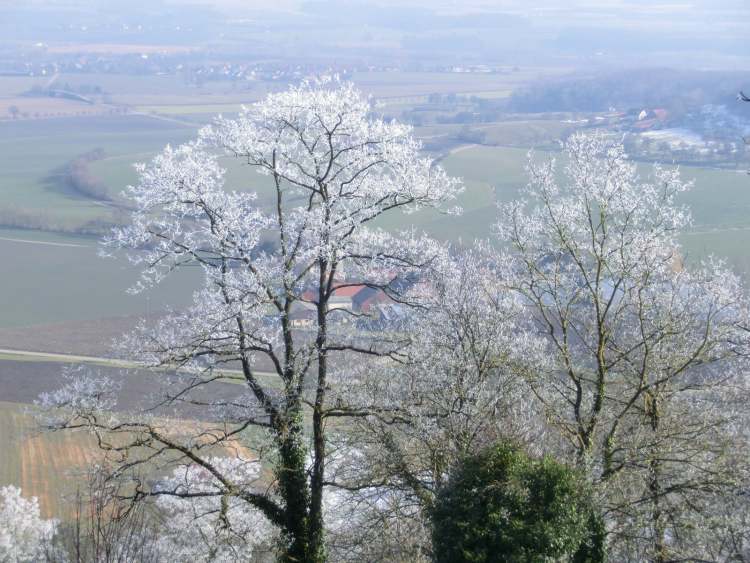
(648, 356)
(102, 528)
(197, 527)
(454, 390)
(25, 537)
(328, 170)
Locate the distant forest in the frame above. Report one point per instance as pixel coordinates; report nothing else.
(676, 90)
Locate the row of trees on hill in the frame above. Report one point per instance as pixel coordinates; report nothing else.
(678, 90)
(574, 353)
(81, 179)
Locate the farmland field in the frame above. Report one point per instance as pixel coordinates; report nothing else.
(412, 86)
(719, 201)
(171, 95)
(34, 154)
(169, 90)
(192, 109)
(53, 278)
(11, 86)
(55, 284)
(51, 465)
(42, 465)
(37, 107)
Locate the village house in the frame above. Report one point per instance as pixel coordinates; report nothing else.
(356, 298)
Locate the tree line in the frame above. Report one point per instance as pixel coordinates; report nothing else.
(677, 90)
(80, 178)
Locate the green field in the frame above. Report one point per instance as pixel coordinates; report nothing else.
(485, 170)
(48, 284)
(34, 155)
(719, 202)
(192, 109)
(522, 133)
(55, 284)
(44, 282)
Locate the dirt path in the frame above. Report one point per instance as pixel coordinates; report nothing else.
(463, 148)
(68, 358)
(165, 118)
(52, 79)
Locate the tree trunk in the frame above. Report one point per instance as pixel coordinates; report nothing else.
(315, 523)
(654, 485)
(293, 487)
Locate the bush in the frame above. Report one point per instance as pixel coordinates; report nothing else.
(502, 505)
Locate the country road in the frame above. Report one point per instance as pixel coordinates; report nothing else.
(13, 354)
(45, 243)
(67, 358)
